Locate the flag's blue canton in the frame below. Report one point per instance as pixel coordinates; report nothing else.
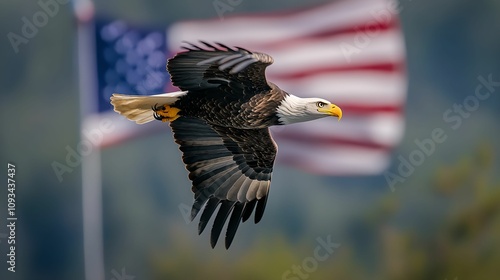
(129, 60)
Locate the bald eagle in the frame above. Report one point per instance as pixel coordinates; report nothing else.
(221, 119)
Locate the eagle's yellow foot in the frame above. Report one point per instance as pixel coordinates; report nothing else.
(165, 113)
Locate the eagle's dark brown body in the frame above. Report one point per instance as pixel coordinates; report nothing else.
(247, 111)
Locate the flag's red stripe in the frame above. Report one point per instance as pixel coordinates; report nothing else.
(359, 109)
(379, 67)
(370, 28)
(308, 140)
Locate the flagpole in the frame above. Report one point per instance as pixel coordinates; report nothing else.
(91, 164)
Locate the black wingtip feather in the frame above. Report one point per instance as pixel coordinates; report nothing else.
(195, 210)
(219, 221)
(198, 203)
(261, 206)
(207, 213)
(233, 224)
(224, 46)
(247, 212)
(243, 49)
(193, 46)
(208, 45)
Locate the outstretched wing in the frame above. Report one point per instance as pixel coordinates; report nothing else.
(231, 69)
(230, 167)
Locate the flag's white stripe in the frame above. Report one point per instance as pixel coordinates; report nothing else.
(385, 129)
(339, 51)
(262, 30)
(381, 128)
(363, 88)
(334, 160)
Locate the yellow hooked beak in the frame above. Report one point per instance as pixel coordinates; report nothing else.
(331, 110)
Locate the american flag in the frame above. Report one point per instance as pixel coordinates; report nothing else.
(349, 52)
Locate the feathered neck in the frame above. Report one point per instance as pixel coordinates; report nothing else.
(293, 109)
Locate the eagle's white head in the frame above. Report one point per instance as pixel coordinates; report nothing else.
(294, 109)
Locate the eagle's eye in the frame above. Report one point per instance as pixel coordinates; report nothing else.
(320, 104)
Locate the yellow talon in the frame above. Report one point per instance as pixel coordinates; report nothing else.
(167, 113)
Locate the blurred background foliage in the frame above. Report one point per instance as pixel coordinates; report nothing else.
(460, 242)
(441, 223)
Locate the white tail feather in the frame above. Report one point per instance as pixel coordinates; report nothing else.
(138, 107)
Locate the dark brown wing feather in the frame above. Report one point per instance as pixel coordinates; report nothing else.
(216, 65)
(228, 166)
